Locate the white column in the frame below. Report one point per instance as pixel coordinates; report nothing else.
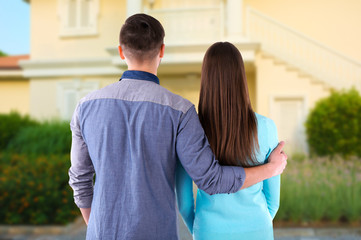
(234, 18)
(133, 7)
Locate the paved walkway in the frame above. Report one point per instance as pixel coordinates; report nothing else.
(318, 234)
(76, 231)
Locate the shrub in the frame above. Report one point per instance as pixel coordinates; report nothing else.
(45, 139)
(10, 125)
(35, 190)
(334, 125)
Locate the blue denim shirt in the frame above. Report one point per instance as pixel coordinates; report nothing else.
(131, 135)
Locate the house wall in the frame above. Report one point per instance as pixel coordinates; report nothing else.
(44, 94)
(329, 22)
(46, 42)
(43, 99)
(286, 95)
(14, 95)
(275, 88)
(185, 86)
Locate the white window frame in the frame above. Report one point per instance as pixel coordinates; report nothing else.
(78, 30)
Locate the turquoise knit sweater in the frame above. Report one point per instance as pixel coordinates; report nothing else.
(246, 214)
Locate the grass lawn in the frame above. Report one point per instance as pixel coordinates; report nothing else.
(320, 190)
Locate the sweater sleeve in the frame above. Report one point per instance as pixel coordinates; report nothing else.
(198, 160)
(271, 186)
(184, 194)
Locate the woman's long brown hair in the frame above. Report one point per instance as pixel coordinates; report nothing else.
(224, 107)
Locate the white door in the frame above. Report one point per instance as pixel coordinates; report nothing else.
(289, 115)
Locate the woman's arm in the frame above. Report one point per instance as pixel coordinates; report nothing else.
(184, 194)
(271, 186)
(271, 189)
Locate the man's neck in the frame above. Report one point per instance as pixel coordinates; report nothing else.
(144, 68)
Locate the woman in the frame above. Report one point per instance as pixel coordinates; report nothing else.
(237, 136)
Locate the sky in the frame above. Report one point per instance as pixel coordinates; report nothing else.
(14, 27)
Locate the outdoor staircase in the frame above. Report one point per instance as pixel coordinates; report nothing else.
(300, 53)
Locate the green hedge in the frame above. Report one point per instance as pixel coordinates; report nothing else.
(334, 125)
(34, 163)
(35, 190)
(45, 139)
(10, 125)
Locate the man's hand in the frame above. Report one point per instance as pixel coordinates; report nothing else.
(86, 213)
(277, 161)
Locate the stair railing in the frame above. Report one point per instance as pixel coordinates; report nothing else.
(294, 48)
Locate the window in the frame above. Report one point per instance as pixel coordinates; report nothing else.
(69, 94)
(78, 17)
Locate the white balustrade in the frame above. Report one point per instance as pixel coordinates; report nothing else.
(298, 50)
(190, 25)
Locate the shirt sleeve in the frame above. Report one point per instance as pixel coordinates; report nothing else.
(199, 162)
(81, 172)
(271, 186)
(184, 194)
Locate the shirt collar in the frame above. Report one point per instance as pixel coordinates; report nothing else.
(140, 75)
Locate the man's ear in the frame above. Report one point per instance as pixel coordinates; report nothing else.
(121, 52)
(161, 54)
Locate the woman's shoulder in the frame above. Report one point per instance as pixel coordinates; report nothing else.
(264, 122)
(267, 132)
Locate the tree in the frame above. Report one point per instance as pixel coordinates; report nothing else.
(2, 54)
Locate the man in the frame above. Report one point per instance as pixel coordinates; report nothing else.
(131, 134)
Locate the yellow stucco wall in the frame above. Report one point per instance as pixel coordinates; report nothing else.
(251, 81)
(185, 86)
(275, 78)
(45, 25)
(43, 99)
(329, 22)
(14, 96)
(286, 95)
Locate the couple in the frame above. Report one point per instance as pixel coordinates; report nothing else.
(146, 145)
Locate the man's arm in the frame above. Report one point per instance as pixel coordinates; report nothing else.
(81, 172)
(276, 164)
(198, 160)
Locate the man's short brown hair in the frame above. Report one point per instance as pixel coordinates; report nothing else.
(141, 37)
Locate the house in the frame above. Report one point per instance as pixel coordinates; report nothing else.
(295, 52)
(14, 87)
